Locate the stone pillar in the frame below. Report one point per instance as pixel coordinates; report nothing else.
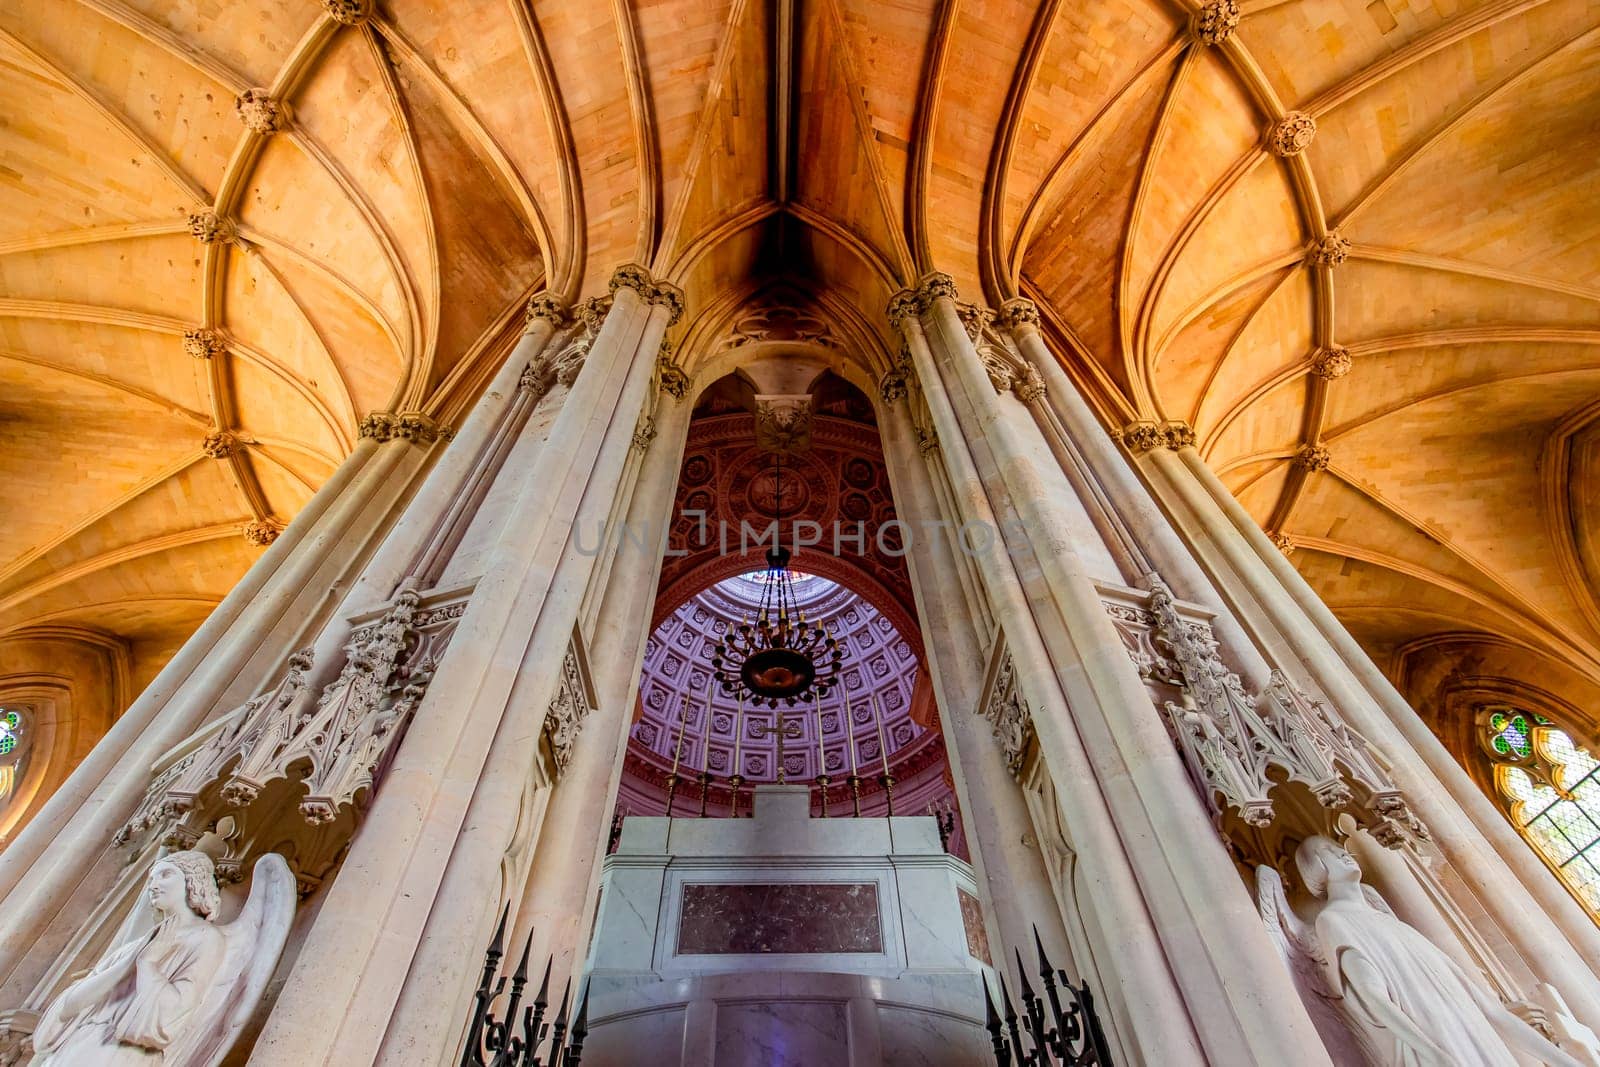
(424, 868)
(1226, 967)
(1536, 913)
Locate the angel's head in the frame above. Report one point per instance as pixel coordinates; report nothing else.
(1320, 860)
(184, 880)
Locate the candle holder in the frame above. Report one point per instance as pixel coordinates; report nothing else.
(822, 787)
(705, 784)
(887, 781)
(855, 794)
(672, 791)
(734, 783)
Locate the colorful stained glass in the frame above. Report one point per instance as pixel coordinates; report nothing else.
(1561, 820)
(10, 731)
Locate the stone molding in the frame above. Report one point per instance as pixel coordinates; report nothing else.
(411, 426)
(652, 292)
(208, 227)
(1292, 134)
(203, 343)
(1313, 458)
(767, 323)
(1331, 362)
(259, 112)
(1215, 22)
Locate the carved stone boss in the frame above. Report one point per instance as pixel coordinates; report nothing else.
(1239, 746)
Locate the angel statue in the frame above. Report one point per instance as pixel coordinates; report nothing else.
(1407, 1003)
(178, 991)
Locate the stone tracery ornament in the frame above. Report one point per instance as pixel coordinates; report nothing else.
(259, 112)
(780, 323)
(1007, 713)
(181, 987)
(1216, 21)
(1332, 250)
(208, 227)
(1240, 747)
(1332, 362)
(1313, 458)
(262, 532)
(203, 343)
(220, 444)
(1402, 997)
(1292, 134)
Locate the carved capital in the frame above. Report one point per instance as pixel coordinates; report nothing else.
(673, 381)
(1292, 134)
(1176, 434)
(220, 444)
(411, 426)
(1017, 313)
(652, 292)
(1141, 436)
(1332, 250)
(1029, 385)
(262, 533)
(259, 112)
(1215, 22)
(548, 308)
(208, 227)
(935, 286)
(896, 382)
(1313, 458)
(348, 12)
(903, 305)
(1331, 362)
(203, 343)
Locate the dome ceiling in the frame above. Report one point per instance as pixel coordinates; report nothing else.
(1385, 339)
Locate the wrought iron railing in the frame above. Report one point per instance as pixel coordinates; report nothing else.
(1070, 1035)
(507, 1040)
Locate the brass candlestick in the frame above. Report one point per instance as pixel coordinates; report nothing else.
(822, 785)
(887, 781)
(855, 794)
(705, 783)
(735, 782)
(672, 791)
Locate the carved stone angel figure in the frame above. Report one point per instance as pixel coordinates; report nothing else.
(1406, 1001)
(176, 993)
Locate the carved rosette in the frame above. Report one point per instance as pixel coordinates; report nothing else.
(348, 12)
(1006, 711)
(220, 444)
(1331, 362)
(780, 323)
(1240, 748)
(1332, 250)
(652, 292)
(563, 720)
(411, 426)
(262, 532)
(208, 227)
(1215, 21)
(1313, 458)
(259, 112)
(203, 343)
(1292, 134)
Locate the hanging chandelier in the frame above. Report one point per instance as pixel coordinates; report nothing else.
(779, 657)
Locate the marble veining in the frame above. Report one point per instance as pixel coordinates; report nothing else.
(732, 918)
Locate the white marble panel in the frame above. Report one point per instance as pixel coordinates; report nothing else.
(914, 1038)
(794, 1033)
(622, 1043)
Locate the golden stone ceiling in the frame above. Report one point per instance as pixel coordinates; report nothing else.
(398, 184)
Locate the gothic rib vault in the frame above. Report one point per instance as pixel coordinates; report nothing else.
(1352, 247)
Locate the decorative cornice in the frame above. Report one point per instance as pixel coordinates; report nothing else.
(203, 343)
(208, 227)
(411, 426)
(1331, 362)
(1215, 22)
(259, 112)
(652, 292)
(1332, 250)
(262, 532)
(548, 308)
(1313, 458)
(1292, 134)
(220, 444)
(348, 12)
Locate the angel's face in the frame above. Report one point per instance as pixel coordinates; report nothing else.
(1340, 865)
(166, 888)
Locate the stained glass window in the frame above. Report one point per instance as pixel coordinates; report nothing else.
(1552, 788)
(10, 730)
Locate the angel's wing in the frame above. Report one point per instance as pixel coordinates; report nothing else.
(1290, 935)
(254, 942)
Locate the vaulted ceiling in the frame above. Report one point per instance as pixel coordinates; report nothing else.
(434, 163)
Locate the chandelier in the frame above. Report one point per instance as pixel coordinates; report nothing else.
(780, 656)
